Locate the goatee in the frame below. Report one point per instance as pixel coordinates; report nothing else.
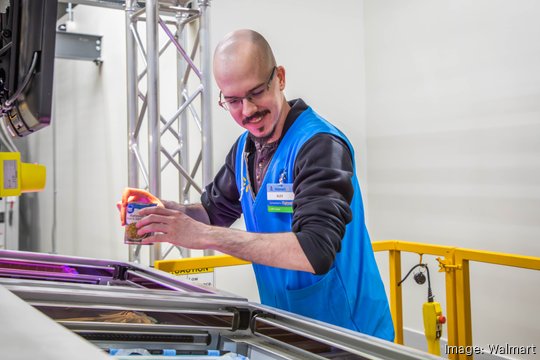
(264, 139)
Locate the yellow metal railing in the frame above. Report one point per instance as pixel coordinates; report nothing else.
(452, 260)
(462, 257)
(455, 263)
(394, 249)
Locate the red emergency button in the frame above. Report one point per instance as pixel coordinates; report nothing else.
(441, 319)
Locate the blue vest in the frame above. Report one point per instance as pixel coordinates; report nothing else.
(351, 294)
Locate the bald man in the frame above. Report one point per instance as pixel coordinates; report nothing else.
(292, 176)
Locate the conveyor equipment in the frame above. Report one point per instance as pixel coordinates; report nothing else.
(119, 310)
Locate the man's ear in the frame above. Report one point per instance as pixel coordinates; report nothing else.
(281, 77)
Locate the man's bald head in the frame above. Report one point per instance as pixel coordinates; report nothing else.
(251, 85)
(243, 48)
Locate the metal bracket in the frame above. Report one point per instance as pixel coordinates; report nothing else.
(446, 265)
(77, 46)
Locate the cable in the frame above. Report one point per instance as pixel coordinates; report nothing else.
(5, 48)
(28, 77)
(430, 293)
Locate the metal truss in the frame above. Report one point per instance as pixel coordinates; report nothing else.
(177, 22)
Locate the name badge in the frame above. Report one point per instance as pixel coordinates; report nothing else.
(280, 198)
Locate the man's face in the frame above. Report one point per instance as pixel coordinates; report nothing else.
(253, 97)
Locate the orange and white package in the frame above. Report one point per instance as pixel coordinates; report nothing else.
(133, 200)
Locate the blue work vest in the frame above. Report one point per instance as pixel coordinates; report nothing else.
(351, 294)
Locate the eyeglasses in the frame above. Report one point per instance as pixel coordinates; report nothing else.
(235, 103)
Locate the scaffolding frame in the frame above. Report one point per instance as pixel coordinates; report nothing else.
(160, 16)
(176, 20)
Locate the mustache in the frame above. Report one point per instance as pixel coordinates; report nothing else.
(254, 116)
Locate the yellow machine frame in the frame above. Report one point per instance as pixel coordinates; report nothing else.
(452, 260)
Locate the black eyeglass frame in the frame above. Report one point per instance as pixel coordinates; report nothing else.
(250, 96)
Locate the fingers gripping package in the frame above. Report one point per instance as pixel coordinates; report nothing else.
(132, 216)
(133, 201)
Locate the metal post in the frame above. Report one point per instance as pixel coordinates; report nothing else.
(452, 322)
(206, 70)
(206, 116)
(132, 108)
(396, 304)
(183, 127)
(154, 146)
(463, 304)
(183, 158)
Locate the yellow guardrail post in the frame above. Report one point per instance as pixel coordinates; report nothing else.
(463, 290)
(396, 303)
(448, 266)
(463, 304)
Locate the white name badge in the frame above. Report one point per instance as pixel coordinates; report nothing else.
(280, 198)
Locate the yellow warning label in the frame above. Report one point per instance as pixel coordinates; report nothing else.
(193, 271)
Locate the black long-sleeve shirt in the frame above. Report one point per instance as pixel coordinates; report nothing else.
(322, 186)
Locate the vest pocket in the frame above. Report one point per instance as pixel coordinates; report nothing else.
(326, 300)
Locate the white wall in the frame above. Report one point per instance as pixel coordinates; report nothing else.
(325, 73)
(453, 108)
(90, 128)
(448, 100)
